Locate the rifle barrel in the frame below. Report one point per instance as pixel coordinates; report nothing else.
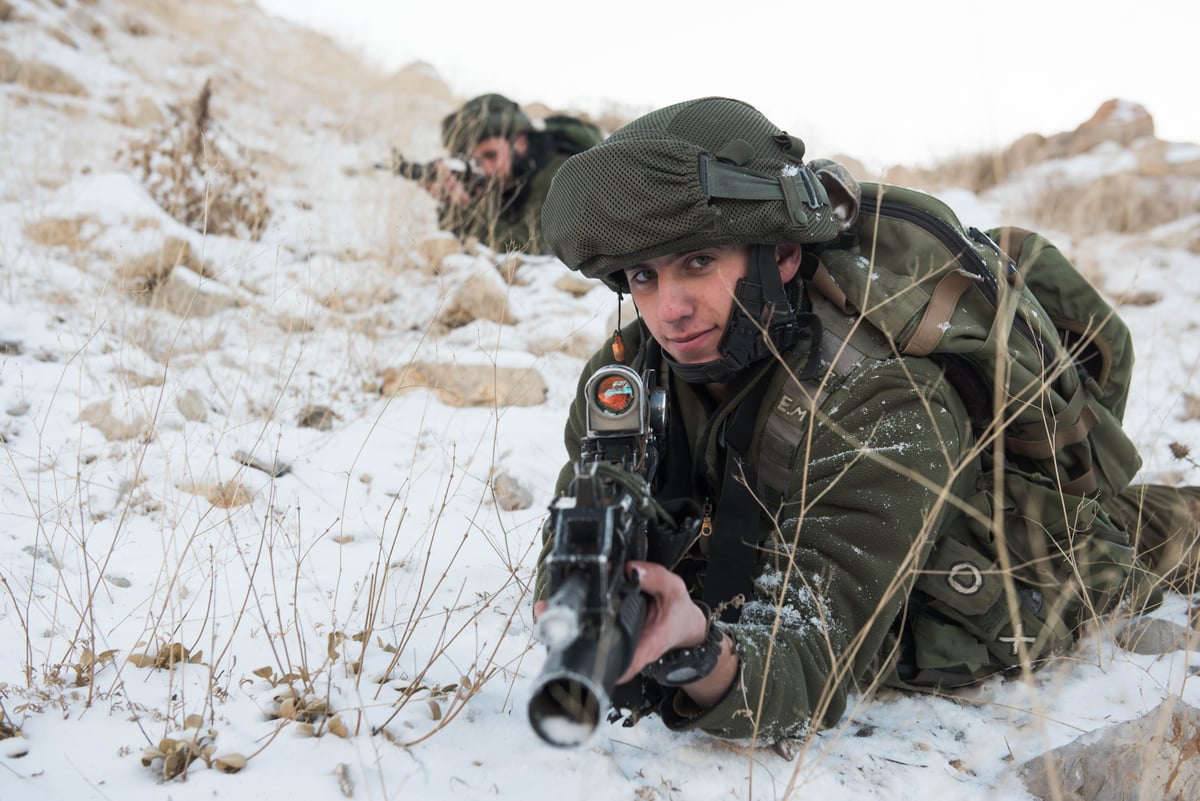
(560, 623)
(574, 688)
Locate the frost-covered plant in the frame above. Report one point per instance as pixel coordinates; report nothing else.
(200, 175)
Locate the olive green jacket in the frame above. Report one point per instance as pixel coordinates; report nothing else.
(863, 503)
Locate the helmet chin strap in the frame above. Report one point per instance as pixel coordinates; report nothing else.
(761, 306)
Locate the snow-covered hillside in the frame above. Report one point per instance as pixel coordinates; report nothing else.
(276, 450)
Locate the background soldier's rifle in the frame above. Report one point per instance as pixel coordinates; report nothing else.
(427, 172)
(594, 614)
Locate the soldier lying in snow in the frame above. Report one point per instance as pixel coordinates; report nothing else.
(904, 445)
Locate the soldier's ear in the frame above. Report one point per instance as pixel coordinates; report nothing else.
(520, 144)
(788, 256)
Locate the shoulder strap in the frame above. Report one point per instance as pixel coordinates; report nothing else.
(841, 351)
(731, 559)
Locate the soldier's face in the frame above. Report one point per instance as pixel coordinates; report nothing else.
(494, 158)
(686, 298)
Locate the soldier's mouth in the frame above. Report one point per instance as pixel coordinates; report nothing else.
(687, 344)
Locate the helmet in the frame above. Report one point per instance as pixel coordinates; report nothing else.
(482, 118)
(711, 171)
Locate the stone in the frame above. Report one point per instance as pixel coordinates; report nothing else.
(510, 495)
(1154, 756)
(468, 385)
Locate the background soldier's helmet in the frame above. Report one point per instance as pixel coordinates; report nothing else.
(712, 171)
(482, 118)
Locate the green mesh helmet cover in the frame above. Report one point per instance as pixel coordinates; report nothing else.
(712, 171)
(482, 118)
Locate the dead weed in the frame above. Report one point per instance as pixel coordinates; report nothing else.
(199, 175)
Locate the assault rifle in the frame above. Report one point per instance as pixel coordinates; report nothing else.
(427, 172)
(594, 614)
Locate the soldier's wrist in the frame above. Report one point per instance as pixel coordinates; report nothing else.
(682, 666)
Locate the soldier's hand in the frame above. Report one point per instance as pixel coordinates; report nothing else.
(673, 620)
(447, 188)
(444, 185)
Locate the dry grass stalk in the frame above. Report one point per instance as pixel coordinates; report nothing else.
(1124, 203)
(199, 175)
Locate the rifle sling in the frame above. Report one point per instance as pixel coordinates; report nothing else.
(731, 559)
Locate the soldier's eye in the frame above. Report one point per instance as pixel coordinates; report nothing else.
(639, 277)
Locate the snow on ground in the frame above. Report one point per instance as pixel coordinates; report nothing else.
(346, 606)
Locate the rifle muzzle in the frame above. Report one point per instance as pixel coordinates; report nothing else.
(574, 687)
(566, 708)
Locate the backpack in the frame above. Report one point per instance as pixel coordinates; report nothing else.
(1029, 322)
(571, 135)
(1043, 365)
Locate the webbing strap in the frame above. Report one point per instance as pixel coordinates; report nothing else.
(821, 280)
(936, 319)
(733, 549)
(1083, 485)
(767, 269)
(1058, 437)
(787, 425)
(721, 180)
(783, 434)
